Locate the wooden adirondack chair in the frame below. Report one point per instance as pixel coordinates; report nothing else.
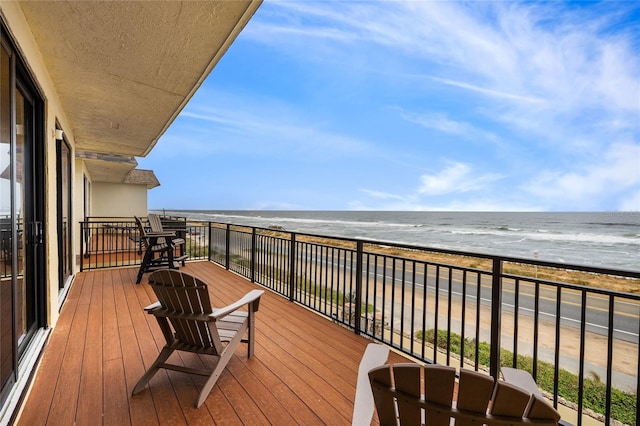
(401, 399)
(158, 249)
(155, 223)
(190, 324)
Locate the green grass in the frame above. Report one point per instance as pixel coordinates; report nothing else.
(195, 250)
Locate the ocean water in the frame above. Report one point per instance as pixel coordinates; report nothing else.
(602, 239)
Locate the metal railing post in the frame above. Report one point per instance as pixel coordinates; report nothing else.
(292, 267)
(253, 254)
(209, 235)
(496, 314)
(227, 243)
(82, 231)
(358, 301)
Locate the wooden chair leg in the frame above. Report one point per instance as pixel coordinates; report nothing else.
(164, 355)
(144, 265)
(213, 378)
(223, 360)
(251, 334)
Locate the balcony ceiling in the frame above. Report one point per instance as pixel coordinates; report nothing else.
(125, 69)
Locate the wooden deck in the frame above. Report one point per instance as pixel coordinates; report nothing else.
(303, 372)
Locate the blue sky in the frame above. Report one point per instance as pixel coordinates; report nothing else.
(419, 105)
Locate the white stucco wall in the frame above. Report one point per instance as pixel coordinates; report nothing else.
(118, 200)
(109, 200)
(16, 24)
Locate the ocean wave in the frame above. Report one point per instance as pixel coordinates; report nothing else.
(544, 235)
(556, 236)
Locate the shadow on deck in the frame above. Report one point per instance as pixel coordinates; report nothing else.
(303, 372)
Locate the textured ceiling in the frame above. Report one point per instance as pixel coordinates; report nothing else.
(125, 69)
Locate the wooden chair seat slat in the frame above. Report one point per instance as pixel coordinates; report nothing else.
(509, 400)
(539, 409)
(441, 395)
(475, 391)
(407, 379)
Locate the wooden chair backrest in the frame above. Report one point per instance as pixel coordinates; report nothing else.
(186, 301)
(155, 223)
(144, 242)
(410, 394)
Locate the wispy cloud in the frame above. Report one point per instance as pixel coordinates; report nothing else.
(511, 52)
(455, 178)
(384, 195)
(442, 123)
(239, 124)
(616, 175)
(427, 105)
(490, 92)
(557, 85)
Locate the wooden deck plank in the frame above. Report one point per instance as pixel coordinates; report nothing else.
(283, 392)
(116, 397)
(51, 363)
(141, 408)
(303, 371)
(110, 339)
(246, 409)
(91, 379)
(65, 397)
(264, 399)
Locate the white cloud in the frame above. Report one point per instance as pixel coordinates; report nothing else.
(274, 205)
(455, 187)
(471, 204)
(554, 84)
(616, 173)
(490, 92)
(383, 195)
(242, 125)
(457, 177)
(536, 66)
(442, 123)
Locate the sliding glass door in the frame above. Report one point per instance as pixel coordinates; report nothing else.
(21, 215)
(9, 227)
(64, 212)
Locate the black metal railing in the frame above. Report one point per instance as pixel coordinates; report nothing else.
(469, 310)
(115, 242)
(578, 339)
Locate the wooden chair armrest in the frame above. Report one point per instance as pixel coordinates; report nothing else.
(152, 306)
(374, 356)
(253, 297)
(160, 234)
(521, 379)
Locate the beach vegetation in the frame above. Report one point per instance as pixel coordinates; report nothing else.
(195, 250)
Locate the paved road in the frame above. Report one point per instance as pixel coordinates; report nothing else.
(626, 313)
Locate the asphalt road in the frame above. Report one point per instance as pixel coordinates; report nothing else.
(625, 320)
